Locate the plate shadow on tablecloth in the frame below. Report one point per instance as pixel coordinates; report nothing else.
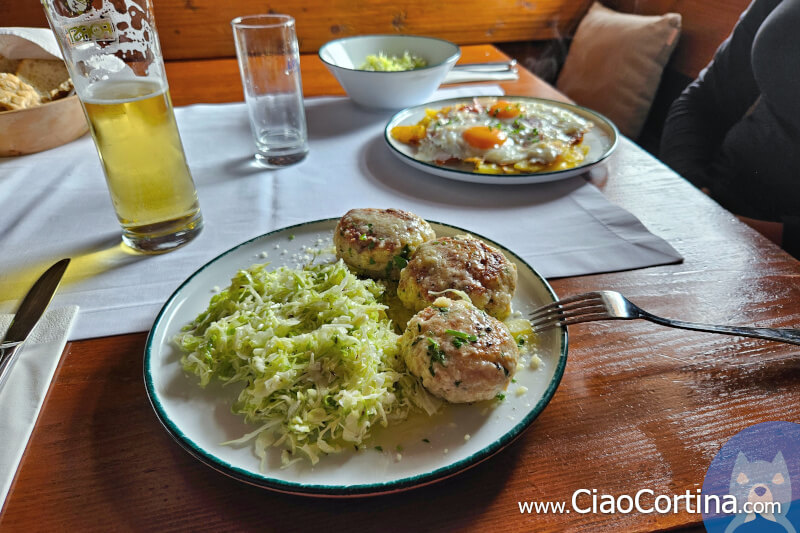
(336, 118)
(380, 166)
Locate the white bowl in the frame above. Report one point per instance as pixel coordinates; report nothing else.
(389, 90)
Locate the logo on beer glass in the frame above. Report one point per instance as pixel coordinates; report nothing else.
(92, 31)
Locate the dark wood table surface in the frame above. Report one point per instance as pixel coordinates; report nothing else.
(640, 406)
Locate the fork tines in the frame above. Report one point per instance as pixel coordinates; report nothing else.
(573, 310)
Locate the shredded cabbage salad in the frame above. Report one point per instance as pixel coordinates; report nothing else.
(387, 63)
(317, 354)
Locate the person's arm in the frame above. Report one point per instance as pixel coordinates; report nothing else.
(699, 119)
(776, 60)
(776, 66)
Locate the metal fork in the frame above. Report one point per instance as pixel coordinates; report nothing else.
(611, 305)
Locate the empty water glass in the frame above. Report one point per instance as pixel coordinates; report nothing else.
(269, 61)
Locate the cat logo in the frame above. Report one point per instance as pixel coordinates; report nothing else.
(759, 467)
(761, 482)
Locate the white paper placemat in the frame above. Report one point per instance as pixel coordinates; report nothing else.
(55, 204)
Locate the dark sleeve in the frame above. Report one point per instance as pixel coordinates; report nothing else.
(791, 235)
(776, 64)
(723, 92)
(776, 61)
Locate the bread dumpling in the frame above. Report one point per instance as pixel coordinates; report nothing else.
(461, 353)
(463, 263)
(378, 242)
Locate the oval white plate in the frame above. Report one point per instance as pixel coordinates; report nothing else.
(602, 140)
(416, 452)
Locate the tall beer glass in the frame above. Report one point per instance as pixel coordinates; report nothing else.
(112, 51)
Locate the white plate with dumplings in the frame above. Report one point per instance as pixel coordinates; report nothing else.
(599, 141)
(418, 451)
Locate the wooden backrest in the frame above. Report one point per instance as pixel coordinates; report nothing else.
(192, 29)
(706, 23)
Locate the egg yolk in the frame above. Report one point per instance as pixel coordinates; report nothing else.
(503, 109)
(484, 137)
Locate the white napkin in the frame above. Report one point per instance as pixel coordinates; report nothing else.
(28, 43)
(24, 391)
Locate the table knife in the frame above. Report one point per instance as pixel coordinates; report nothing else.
(30, 311)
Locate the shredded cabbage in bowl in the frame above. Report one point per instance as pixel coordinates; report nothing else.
(386, 63)
(319, 358)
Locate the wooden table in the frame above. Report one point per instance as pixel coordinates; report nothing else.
(639, 406)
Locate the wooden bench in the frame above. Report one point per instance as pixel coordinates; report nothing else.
(200, 29)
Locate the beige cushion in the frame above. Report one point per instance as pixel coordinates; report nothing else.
(615, 62)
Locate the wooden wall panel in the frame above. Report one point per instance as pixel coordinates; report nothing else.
(706, 23)
(201, 28)
(27, 13)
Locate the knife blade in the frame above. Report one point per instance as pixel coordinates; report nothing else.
(30, 311)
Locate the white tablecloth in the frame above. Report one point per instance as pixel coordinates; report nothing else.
(55, 204)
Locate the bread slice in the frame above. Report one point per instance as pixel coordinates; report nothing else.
(65, 89)
(44, 75)
(8, 65)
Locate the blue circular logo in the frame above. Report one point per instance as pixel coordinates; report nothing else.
(753, 483)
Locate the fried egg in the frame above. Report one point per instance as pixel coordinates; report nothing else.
(499, 135)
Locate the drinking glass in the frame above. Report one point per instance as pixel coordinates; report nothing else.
(269, 61)
(112, 51)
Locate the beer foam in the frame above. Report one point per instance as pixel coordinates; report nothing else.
(121, 92)
(111, 64)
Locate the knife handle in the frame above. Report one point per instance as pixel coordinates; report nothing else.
(8, 355)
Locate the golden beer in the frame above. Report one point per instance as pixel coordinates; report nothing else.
(137, 138)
